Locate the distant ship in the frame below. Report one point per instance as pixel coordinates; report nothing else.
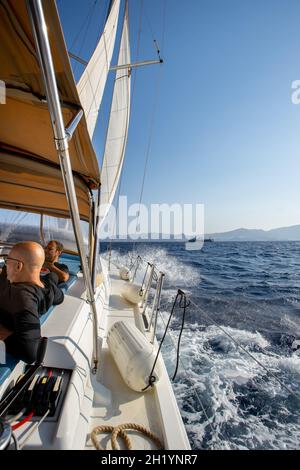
(194, 239)
(196, 243)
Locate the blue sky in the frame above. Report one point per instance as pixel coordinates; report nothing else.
(225, 131)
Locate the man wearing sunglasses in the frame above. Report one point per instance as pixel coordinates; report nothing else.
(23, 298)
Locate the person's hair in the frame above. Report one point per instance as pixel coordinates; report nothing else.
(59, 245)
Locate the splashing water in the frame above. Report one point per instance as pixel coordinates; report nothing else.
(176, 272)
(251, 290)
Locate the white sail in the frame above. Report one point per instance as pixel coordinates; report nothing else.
(118, 126)
(92, 82)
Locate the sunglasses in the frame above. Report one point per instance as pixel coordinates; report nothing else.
(13, 259)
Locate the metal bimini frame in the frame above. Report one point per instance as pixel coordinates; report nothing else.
(95, 239)
(61, 138)
(156, 305)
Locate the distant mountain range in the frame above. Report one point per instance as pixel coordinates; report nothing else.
(291, 233)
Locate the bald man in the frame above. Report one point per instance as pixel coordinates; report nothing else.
(23, 298)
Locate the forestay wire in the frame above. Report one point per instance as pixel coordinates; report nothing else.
(154, 111)
(86, 27)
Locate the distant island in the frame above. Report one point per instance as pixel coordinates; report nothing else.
(291, 233)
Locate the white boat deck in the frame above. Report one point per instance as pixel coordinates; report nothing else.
(127, 406)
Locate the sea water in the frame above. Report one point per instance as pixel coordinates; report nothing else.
(250, 290)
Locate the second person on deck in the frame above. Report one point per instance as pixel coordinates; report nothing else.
(52, 253)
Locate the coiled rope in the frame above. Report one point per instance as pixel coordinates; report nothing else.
(120, 431)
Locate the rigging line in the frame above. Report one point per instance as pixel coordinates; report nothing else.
(296, 395)
(109, 7)
(88, 19)
(134, 76)
(155, 102)
(119, 186)
(152, 378)
(184, 307)
(150, 27)
(82, 25)
(184, 369)
(95, 91)
(152, 121)
(164, 27)
(137, 52)
(15, 440)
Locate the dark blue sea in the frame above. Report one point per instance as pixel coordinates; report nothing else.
(252, 291)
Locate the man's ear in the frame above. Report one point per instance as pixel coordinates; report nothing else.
(20, 265)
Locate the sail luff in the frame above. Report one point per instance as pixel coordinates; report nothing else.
(117, 133)
(92, 82)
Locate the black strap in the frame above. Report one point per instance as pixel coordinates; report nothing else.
(182, 304)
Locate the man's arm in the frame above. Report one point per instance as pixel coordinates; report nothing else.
(55, 294)
(63, 276)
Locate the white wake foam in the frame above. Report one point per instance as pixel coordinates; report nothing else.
(217, 377)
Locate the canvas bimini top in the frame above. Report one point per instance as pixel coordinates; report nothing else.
(30, 175)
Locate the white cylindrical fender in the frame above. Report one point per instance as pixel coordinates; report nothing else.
(133, 354)
(125, 273)
(132, 293)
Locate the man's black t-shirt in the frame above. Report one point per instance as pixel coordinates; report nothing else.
(62, 267)
(21, 305)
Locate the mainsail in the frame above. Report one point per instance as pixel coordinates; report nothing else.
(92, 82)
(118, 126)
